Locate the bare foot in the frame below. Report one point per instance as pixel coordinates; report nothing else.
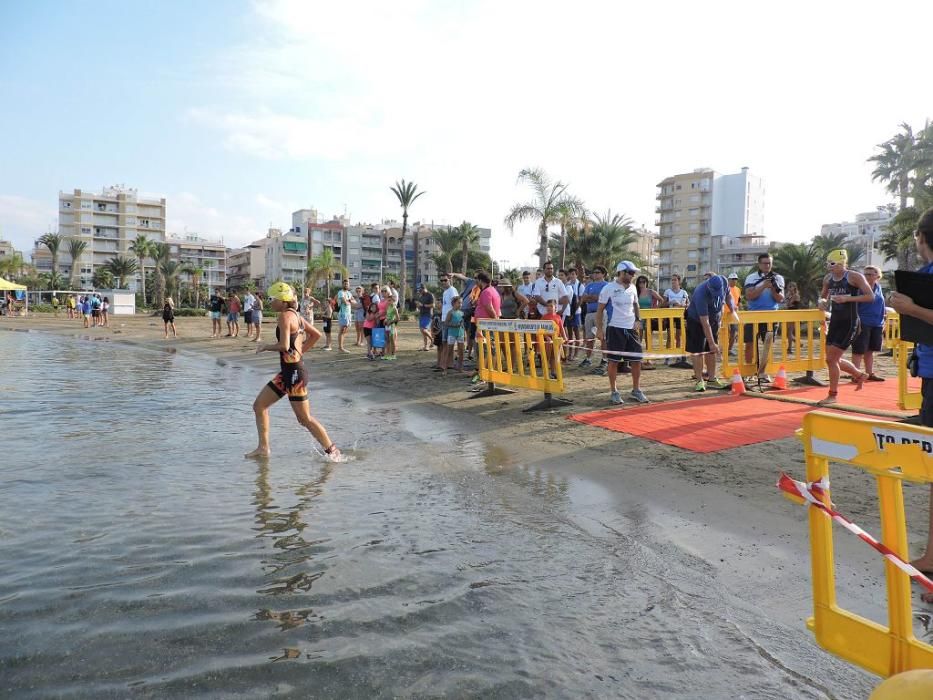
(859, 380)
(258, 452)
(924, 564)
(829, 400)
(334, 454)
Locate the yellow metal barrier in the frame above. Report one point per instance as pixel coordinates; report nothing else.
(893, 453)
(507, 350)
(664, 331)
(907, 399)
(799, 343)
(892, 329)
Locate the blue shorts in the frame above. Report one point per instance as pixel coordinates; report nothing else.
(215, 315)
(424, 321)
(343, 321)
(573, 321)
(232, 317)
(359, 315)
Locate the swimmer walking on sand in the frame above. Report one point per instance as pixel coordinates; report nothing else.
(291, 380)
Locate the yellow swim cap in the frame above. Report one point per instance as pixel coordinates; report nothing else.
(838, 256)
(282, 292)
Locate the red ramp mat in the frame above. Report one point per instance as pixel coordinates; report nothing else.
(704, 425)
(875, 395)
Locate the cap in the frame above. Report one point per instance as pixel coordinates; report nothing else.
(733, 276)
(282, 292)
(626, 266)
(837, 256)
(716, 284)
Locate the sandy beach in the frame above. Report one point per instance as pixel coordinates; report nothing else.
(721, 508)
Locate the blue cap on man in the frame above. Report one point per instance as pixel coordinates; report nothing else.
(716, 284)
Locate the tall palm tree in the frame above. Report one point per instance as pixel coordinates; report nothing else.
(325, 267)
(52, 241)
(142, 249)
(121, 268)
(895, 164)
(53, 280)
(75, 248)
(804, 264)
(448, 242)
(608, 240)
(102, 278)
(196, 275)
(468, 238)
(832, 241)
(11, 266)
(161, 254)
(551, 199)
(407, 193)
(188, 269)
(168, 270)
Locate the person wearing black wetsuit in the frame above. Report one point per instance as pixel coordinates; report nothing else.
(842, 291)
(292, 380)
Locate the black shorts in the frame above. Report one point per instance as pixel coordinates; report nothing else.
(95, 313)
(842, 333)
(696, 338)
(325, 324)
(761, 329)
(869, 338)
(291, 382)
(926, 408)
(168, 319)
(248, 317)
(367, 332)
(623, 340)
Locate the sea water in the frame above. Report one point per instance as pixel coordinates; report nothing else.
(141, 555)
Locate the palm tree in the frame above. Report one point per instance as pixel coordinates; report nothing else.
(121, 268)
(142, 249)
(551, 199)
(896, 163)
(407, 193)
(448, 242)
(102, 278)
(608, 240)
(53, 280)
(160, 253)
(75, 248)
(324, 267)
(833, 241)
(53, 242)
(468, 238)
(168, 270)
(196, 274)
(804, 264)
(188, 269)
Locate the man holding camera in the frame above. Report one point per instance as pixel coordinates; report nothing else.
(764, 291)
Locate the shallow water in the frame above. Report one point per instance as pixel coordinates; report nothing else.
(142, 555)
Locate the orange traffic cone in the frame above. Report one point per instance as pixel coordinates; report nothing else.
(780, 380)
(738, 386)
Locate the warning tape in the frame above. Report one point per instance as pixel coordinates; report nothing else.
(645, 355)
(812, 493)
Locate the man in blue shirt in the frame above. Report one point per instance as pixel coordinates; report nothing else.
(704, 315)
(870, 337)
(764, 291)
(590, 297)
(905, 306)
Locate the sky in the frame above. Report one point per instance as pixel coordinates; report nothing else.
(240, 112)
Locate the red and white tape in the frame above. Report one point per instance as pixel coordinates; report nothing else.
(812, 493)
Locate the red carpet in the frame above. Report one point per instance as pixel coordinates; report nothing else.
(876, 395)
(704, 425)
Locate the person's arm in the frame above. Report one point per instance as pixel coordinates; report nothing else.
(906, 306)
(520, 298)
(779, 295)
(281, 345)
(823, 302)
(708, 332)
(856, 279)
(658, 298)
(637, 309)
(757, 288)
(600, 331)
(447, 319)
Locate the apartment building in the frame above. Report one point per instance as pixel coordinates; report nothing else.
(108, 221)
(285, 256)
(866, 232)
(736, 254)
(693, 207)
(245, 265)
(202, 253)
(428, 248)
(6, 249)
(646, 248)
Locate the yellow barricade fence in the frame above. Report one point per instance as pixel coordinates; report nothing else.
(798, 343)
(893, 453)
(507, 350)
(663, 331)
(907, 400)
(892, 329)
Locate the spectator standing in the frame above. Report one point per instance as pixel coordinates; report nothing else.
(549, 287)
(258, 306)
(216, 306)
(558, 320)
(248, 301)
(168, 316)
(425, 312)
(871, 326)
(105, 311)
(736, 291)
(233, 315)
(676, 297)
(621, 337)
(590, 298)
(359, 313)
(344, 309)
(525, 289)
(904, 305)
(455, 332)
(704, 315)
(842, 291)
(574, 325)
(764, 291)
(792, 302)
(648, 299)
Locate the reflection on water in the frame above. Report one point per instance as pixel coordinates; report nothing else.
(142, 555)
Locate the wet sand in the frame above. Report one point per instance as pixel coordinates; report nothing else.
(722, 509)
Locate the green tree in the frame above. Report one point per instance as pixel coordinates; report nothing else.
(468, 238)
(476, 260)
(12, 266)
(550, 203)
(52, 241)
(448, 243)
(76, 248)
(142, 249)
(160, 254)
(803, 263)
(323, 268)
(896, 162)
(102, 278)
(834, 241)
(407, 193)
(608, 241)
(168, 272)
(53, 280)
(121, 268)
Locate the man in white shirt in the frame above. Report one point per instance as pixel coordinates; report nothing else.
(448, 294)
(624, 331)
(525, 289)
(248, 302)
(549, 287)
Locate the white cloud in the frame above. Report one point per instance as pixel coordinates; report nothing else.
(269, 203)
(187, 212)
(23, 220)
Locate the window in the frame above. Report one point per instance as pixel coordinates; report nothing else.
(677, 202)
(677, 228)
(694, 198)
(694, 226)
(693, 240)
(691, 268)
(692, 254)
(66, 205)
(85, 230)
(678, 187)
(693, 185)
(694, 212)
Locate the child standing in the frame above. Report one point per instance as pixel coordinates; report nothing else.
(372, 317)
(391, 325)
(455, 335)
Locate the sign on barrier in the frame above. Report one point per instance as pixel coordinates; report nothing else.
(892, 453)
(521, 353)
(797, 341)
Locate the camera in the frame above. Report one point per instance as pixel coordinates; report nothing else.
(772, 277)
